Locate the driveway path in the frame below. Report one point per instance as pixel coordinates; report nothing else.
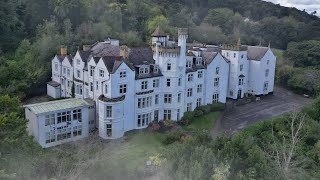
(235, 119)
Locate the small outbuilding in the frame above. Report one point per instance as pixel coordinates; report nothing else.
(57, 122)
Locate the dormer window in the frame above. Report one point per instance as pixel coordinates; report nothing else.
(144, 70)
(234, 55)
(155, 69)
(199, 61)
(242, 56)
(189, 64)
(168, 66)
(56, 66)
(78, 61)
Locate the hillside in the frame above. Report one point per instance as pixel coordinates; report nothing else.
(31, 31)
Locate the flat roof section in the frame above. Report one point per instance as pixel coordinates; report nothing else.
(58, 105)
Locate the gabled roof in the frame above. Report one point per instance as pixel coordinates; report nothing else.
(158, 33)
(112, 63)
(256, 52)
(84, 55)
(208, 57)
(61, 58)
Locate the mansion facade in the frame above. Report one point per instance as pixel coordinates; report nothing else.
(132, 87)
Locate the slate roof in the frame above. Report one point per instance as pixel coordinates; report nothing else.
(112, 63)
(84, 55)
(57, 105)
(209, 56)
(61, 58)
(138, 56)
(158, 33)
(256, 52)
(104, 49)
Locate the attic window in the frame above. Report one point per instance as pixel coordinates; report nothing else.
(155, 69)
(189, 63)
(78, 61)
(199, 61)
(144, 70)
(242, 56)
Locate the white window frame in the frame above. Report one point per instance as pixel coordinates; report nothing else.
(101, 72)
(169, 67)
(217, 70)
(215, 97)
(156, 83)
(123, 74)
(216, 82)
(108, 111)
(200, 74)
(167, 98)
(199, 88)
(190, 77)
(122, 89)
(144, 85)
(167, 114)
(189, 92)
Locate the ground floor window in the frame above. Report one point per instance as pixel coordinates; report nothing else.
(265, 86)
(109, 130)
(178, 114)
(143, 119)
(77, 130)
(215, 98)
(77, 115)
(63, 133)
(198, 102)
(189, 107)
(167, 114)
(50, 137)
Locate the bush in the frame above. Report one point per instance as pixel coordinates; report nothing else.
(217, 107)
(198, 113)
(172, 137)
(184, 122)
(154, 126)
(188, 116)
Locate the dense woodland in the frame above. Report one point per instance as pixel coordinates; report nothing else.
(31, 32)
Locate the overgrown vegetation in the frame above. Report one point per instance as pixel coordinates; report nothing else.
(31, 31)
(282, 148)
(298, 67)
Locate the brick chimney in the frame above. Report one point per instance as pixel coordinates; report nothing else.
(63, 50)
(86, 47)
(124, 52)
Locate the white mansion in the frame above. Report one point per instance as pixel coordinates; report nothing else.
(135, 86)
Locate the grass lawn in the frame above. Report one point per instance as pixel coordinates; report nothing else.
(123, 159)
(203, 123)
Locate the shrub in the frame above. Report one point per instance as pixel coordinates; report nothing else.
(184, 122)
(198, 113)
(217, 107)
(154, 126)
(188, 116)
(172, 137)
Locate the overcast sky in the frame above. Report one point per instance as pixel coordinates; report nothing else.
(308, 5)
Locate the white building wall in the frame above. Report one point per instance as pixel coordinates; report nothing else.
(37, 128)
(223, 76)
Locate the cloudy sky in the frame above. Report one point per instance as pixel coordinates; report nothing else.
(308, 5)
